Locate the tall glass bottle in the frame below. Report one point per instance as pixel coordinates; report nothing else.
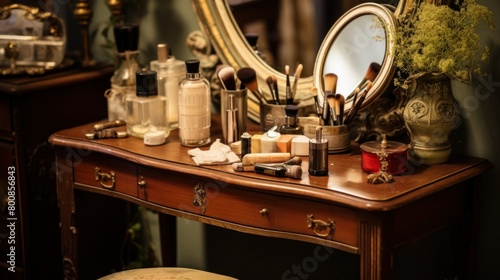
(146, 110)
(170, 73)
(194, 107)
(123, 80)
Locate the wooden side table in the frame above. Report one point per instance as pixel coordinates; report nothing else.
(31, 108)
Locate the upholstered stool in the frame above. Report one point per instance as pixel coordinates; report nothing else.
(165, 273)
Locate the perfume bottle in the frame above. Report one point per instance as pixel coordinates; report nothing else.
(170, 73)
(123, 79)
(290, 126)
(147, 111)
(194, 107)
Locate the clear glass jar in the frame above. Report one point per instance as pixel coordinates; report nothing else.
(170, 72)
(147, 111)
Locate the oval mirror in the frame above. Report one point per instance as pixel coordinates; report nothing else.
(357, 50)
(228, 41)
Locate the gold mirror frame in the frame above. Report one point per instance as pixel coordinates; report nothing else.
(220, 27)
(387, 70)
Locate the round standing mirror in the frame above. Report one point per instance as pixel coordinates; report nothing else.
(357, 50)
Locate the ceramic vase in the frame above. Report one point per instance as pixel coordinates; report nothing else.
(430, 115)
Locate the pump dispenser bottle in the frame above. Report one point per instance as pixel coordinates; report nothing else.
(123, 79)
(146, 111)
(170, 72)
(194, 107)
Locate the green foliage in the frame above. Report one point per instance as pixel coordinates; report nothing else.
(440, 39)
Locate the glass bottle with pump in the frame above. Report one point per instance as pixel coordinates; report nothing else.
(123, 80)
(170, 73)
(147, 111)
(194, 107)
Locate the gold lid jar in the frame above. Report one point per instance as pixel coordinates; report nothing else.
(386, 156)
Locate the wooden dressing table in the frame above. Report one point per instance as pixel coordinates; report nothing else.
(341, 210)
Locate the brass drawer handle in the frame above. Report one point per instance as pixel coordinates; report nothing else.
(102, 178)
(199, 199)
(264, 211)
(141, 183)
(319, 226)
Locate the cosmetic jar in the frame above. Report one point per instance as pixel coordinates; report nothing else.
(274, 115)
(338, 136)
(388, 156)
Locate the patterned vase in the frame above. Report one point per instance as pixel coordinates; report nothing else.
(430, 115)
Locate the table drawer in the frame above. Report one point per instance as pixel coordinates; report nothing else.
(208, 198)
(106, 172)
(317, 219)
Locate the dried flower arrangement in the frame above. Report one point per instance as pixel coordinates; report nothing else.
(441, 39)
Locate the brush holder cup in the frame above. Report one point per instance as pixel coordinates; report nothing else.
(240, 103)
(338, 136)
(271, 114)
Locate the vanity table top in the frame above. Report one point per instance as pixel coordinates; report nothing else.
(345, 185)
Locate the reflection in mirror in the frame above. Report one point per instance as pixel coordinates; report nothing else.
(355, 53)
(216, 20)
(356, 49)
(291, 31)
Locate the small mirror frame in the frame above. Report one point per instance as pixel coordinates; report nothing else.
(387, 70)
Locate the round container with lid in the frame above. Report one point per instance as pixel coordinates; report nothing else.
(388, 156)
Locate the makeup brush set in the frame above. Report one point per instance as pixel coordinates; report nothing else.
(246, 78)
(331, 112)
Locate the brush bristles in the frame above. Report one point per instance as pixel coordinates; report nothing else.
(368, 86)
(226, 77)
(287, 70)
(314, 91)
(331, 99)
(270, 81)
(298, 71)
(330, 81)
(246, 75)
(372, 71)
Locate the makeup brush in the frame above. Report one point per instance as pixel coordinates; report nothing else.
(339, 108)
(226, 77)
(289, 97)
(276, 91)
(330, 97)
(248, 77)
(330, 86)
(330, 82)
(296, 78)
(270, 84)
(314, 92)
(355, 97)
(370, 75)
(355, 107)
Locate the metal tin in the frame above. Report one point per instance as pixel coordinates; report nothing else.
(388, 156)
(318, 154)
